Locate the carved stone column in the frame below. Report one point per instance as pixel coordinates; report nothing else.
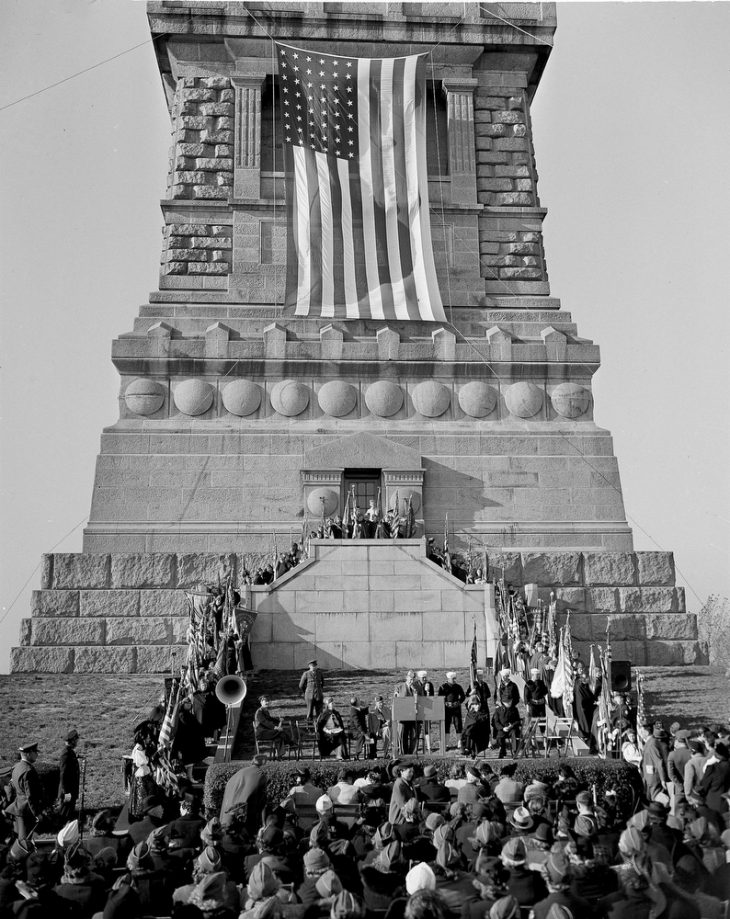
(247, 152)
(460, 127)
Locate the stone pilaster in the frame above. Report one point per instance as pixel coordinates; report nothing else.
(460, 127)
(247, 84)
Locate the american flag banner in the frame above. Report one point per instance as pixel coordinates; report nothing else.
(359, 231)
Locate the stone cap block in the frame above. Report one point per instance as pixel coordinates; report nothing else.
(609, 569)
(511, 562)
(656, 569)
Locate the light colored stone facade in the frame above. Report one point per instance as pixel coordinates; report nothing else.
(237, 422)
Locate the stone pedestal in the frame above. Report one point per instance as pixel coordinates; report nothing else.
(238, 423)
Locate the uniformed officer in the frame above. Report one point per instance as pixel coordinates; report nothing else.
(27, 805)
(312, 685)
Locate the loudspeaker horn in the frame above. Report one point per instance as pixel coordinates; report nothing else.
(230, 690)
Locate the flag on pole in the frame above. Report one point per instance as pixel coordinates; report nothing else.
(359, 232)
(592, 671)
(473, 659)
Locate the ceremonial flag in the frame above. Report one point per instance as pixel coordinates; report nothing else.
(592, 671)
(359, 230)
(473, 660)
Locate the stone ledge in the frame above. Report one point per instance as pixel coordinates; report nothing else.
(105, 660)
(74, 570)
(144, 570)
(55, 632)
(41, 660)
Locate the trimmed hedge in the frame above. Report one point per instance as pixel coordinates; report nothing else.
(588, 771)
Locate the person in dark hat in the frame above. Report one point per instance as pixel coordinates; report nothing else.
(79, 885)
(430, 790)
(26, 807)
(188, 826)
(69, 777)
(304, 791)
(654, 764)
(311, 685)
(151, 819)
(39, 898)
(473, 790)
(715, 784)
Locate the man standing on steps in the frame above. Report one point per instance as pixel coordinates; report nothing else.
(27, 804)
(312, 685)
(453, 695)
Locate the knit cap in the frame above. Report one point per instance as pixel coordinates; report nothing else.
(262, 883)
(316, 860)
(347, 906)
(505, 908)
(328, 884)
(209, 860)
(434, 821)
(420, 877)
(513, 852)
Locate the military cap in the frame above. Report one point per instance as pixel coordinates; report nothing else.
(29, 748)
(314, 661)
(73, 734)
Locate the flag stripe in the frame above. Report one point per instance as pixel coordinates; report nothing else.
(432, 306)
(403, 90)
(366, 198)
(325, 211)
(349, 280)
(303, 236)
(338, 254)
(377, 190)
(387, 103)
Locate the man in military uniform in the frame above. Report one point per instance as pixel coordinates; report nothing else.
(453, 695)
(27, 804)
(69, 777)
(312, 685)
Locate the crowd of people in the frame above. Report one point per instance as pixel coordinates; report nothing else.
(396, 842)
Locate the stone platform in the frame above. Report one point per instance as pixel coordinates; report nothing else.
(355, 604)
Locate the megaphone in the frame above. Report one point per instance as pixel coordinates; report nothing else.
(230, 690)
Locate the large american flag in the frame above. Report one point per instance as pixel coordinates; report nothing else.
(359, 233)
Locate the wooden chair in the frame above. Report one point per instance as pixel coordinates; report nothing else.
(349, 814)
(261, 745)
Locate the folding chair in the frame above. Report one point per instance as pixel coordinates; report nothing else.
(261, 745)
(560, 732)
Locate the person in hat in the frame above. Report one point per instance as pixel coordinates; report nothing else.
(316, 861)
(379, 720)
(189, 825)
(383, 879)
(525, 885)
(150, 818)
(430, 790)
(507, 693)
(715, 784)
(331, 734)
(453, 695)
(630, 751)
(311, 685)
(26, 806)
(521, 822)
(676, 762)
(476, 732)
(694, 769)
(79, 885)
(478, 687)
(403, 790)
(506, 724)
(427, 689)
(69, 777)
(246, 787)
(303, 791)
(357, 730)
(654, 764)
(556, 873)
(268, 728)
(473, 790)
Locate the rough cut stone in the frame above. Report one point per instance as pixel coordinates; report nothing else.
(104, 660)
(163, 603)
(602, 600)
(571, 598)
(41, 660)
(74, 570)
(46, 571)
(205, 567)
(159, 659)
(55, 603)
(665, 653)
(109, 603)
(139, 631)
(604, 569)
(561, 569)
(143, 570)
(648, 600)
(656, 569)
(511, 562)
(670, 626)
(68, 632)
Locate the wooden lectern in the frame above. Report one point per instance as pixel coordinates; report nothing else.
(419, 709)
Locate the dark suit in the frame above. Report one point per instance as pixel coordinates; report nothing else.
(69, 782)
(409, 729)
(247, 786)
